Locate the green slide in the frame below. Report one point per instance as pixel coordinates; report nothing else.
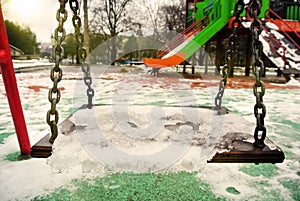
(210, 16)
(216, 15)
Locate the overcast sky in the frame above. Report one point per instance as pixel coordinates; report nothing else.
(39, 15)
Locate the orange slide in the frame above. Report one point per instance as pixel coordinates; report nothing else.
(173, 60)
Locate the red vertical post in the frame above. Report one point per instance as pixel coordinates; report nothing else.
(11, 88)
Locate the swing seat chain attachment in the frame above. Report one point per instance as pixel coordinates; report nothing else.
(85, 66)
(258, 71)
(54, 94)
(235, 26)
(43, 148)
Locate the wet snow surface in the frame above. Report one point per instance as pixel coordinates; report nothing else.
(141, 97)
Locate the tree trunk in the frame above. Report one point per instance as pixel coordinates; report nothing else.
(231, 69)
(77, 54)
(86, 30)
(184, 66)
(113, 54)
(218, 54)
(193, 64)
(248, 55)
(206, 64)
(206, 58)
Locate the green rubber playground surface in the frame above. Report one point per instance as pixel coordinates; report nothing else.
(130, 186)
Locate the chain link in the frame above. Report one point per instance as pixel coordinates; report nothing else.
(235, 26)
(56, 72)
(85, 66)
(258, 71)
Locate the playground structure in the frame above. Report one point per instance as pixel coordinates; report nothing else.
(211, 21)
(210, 18)
(11, 87)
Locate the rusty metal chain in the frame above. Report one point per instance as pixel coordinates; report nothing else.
(56, 72)
(258, 71)
(85, 66)
(235, 26)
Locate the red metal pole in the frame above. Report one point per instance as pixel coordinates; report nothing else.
(11, 88)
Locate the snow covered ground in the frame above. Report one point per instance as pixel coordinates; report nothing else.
(23, 180)
(29, 65)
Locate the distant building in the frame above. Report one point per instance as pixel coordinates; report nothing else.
(46, 50)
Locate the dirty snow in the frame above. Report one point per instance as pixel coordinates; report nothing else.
(72, 158)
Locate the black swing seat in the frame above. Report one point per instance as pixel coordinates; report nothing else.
(42, 149)
(242, 150)
(233, 147)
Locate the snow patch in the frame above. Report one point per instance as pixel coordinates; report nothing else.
(30, 63)
(293, 82)
(272, 26)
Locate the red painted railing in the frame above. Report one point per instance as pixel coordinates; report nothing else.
(180, 38)
(274, 40)
(11, 88)
(286, 24)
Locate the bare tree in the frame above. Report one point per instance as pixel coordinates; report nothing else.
(152, 9)
(161, 15)
(110, 18)
(174, 16)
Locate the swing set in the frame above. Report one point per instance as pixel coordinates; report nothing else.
(242, 152)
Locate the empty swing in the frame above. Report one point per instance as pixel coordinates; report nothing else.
(241, 149)
(43, 148)
(236, 147)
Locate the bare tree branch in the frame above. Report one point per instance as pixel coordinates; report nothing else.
(110, 18)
